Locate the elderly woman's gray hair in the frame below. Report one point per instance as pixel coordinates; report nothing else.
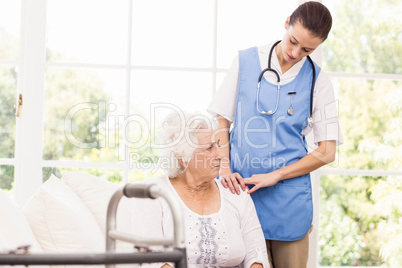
(177, 138)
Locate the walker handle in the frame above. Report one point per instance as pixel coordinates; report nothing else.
(138, 190)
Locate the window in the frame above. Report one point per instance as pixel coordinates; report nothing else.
(125, 69)
(110, 74)
(360, 192)
(9, 55)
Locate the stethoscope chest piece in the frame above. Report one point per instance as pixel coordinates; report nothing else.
(291, 93)
(290, 110)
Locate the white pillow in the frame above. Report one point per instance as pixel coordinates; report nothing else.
(95, 193)
(60, 220)
(4, 246)
(14, 229)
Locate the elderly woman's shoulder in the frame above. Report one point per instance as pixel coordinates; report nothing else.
(234, 198)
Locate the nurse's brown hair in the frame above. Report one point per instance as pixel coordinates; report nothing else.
(315, 17)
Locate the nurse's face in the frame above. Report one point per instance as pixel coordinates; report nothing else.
(298, 42)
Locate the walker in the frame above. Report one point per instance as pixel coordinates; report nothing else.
(138, 190)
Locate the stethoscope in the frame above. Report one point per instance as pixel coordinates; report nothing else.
(291, 93)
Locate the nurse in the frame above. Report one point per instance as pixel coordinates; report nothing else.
(268, 154)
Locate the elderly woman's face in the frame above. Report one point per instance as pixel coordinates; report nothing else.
(207, 157)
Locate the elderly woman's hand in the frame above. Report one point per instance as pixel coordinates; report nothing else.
(233, 181)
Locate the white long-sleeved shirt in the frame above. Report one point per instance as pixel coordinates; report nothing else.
(232, 237)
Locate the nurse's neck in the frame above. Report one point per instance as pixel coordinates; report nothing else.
(285, 65)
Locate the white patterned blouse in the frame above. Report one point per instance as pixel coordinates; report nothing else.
(232, 237)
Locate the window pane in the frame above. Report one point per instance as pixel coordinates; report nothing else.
(7, 178)
(149, 171)
(90, 31)
(371, 120)
(8, 93)
(244, 24)
(113, 175)
(186, 90)
(151, 101)
(365, 38)
(82, 107)
(48, 171)
(360, 221)
(9, 28)
(173, 33)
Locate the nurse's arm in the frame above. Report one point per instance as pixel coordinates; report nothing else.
(324, 154)
(233, 181)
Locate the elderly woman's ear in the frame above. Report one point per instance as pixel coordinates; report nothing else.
(182, 161)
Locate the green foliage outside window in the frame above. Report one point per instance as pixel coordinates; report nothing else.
(361, 217)
(8, 92)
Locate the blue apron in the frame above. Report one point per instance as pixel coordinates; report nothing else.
(263, 143)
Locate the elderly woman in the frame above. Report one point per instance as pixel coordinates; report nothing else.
(222, 229)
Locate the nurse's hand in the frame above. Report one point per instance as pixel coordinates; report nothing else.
(233, 181)
(260, 181)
